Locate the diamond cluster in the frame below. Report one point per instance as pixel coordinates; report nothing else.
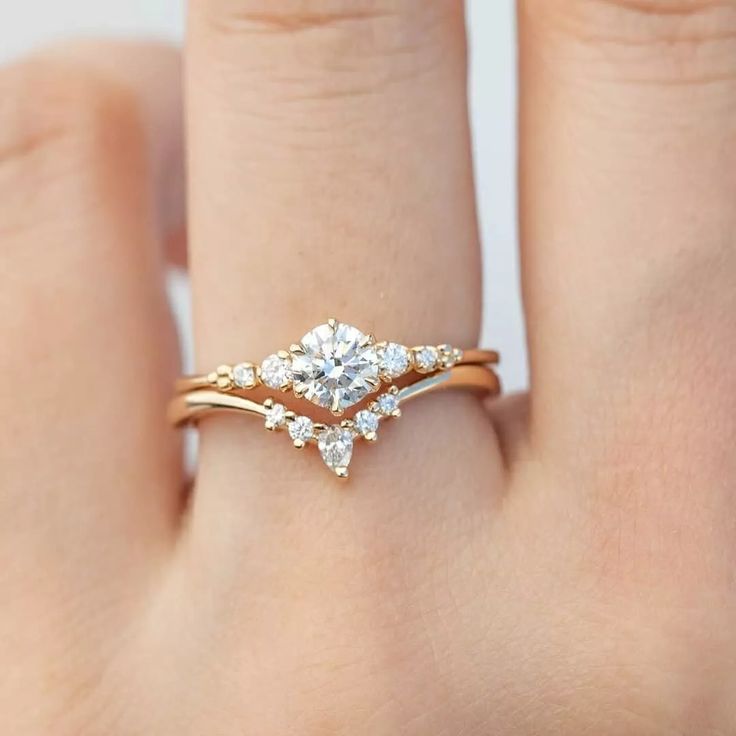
(335, 442)
(336, 366)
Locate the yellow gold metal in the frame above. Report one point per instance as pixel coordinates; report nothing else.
(195, 405)
(337, 374)
(213, 379)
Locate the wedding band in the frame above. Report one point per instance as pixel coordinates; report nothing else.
(335, 366)
(335, 442)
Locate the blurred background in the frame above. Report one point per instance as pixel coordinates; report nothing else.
(29, 23)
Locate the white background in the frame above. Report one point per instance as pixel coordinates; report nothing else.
(493, 88)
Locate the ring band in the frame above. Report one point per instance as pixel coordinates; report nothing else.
(335, 442)
(335, 366)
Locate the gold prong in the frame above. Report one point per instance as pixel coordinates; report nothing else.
(371, 436)
(268, 403)
(299, 444)
(394, 390)
(347, 424)
(367, 340)
(283, 354)
(341, 472)
(319, 427)
(332, 322)
(222, 377)
(297, 349)
(298, 392)
(335, 408)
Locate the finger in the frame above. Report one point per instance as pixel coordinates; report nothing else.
(329, 176)
(88, 469)
(154, 73)
(309, 131)
(628, 157)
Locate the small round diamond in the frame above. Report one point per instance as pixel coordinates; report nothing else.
(244, 375)
(301, 429)
(366, 422)
(276, 416)
(394, 360)
(276, 371)
(387, 404)
(426, 358)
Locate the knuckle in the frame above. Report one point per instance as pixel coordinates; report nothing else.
(288, 17)
(306, 72)
(330, 49)
(667, 41)
(64, 128)
(54, 110)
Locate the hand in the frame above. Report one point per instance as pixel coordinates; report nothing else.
(562, 564)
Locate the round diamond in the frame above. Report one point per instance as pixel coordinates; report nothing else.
(244, 375)
(275, 371)
(276, 416)
(394, 360)
(366, 422)
(426, 358)
(335, 366)
(387, 404)
(301, 429)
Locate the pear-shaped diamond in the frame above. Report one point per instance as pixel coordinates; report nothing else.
(336, 447)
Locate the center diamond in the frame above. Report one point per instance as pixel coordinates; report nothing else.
(335, 366)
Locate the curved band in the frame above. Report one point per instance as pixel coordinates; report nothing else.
(335, 442)
(336, 366)
(194, 405)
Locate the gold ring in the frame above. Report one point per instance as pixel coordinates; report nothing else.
(335, 442)
(336, 366)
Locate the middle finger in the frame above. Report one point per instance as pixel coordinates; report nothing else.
(330, 176)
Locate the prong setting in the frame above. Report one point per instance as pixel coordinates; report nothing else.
(334, 366)
(334, 441)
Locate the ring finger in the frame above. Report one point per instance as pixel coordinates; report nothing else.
(330, 176)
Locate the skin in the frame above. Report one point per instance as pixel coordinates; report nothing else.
(557, 563)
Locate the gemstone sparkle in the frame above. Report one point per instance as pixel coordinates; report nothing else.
(301, 429)
(394, 360)
(335, 366)
(388, 404)
(244, 375)
(426, 358)
(366, 422)
(275, 416)
(275, 371)
(336, 447)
